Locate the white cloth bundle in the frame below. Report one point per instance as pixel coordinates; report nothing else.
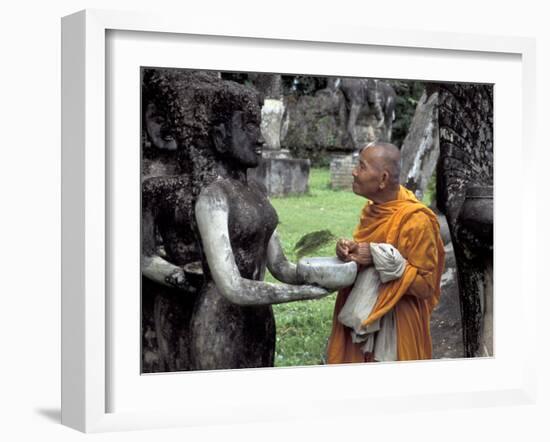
(379, 337)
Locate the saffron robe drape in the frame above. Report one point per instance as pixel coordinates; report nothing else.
(413, 229)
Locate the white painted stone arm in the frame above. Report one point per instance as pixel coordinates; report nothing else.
(154, 266)
(159, 270)
(211, 211)
(277, 263)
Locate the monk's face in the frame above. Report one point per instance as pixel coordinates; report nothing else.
(367, 174)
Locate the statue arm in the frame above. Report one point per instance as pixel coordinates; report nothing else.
(163, 272)
(211, 212)
(278, 264)
(155, 267)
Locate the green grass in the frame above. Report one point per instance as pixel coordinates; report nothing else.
(303, 327)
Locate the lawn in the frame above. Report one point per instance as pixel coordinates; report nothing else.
(303, 327)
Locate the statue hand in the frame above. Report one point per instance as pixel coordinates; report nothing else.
(177, 279)
(314, 291)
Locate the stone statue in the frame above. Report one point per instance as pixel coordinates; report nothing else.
(367, 96)
(168, 242)
(216, 126)
(233, 324)
(465, 195)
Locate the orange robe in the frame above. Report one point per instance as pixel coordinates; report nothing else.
(413, 229)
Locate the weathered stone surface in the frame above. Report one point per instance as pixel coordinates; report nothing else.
(341, 167)
(420, 149)
(367, 99)
(202, 330)
(318, 124)
(269, 85)
(272, 123)
(224, 334)
(464, 194)
(315, 123)
(446, 321)
(282, 176)
(328, 272)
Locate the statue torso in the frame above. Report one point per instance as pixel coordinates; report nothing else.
(251, 222)
(169, 200)
(242, 337)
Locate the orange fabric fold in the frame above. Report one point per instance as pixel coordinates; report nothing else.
(413, 229)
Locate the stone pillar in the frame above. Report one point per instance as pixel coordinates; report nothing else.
(341, 167)
(278, 172)
(272, 123)
(282, 176)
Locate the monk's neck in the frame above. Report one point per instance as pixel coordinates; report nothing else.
(385, 197)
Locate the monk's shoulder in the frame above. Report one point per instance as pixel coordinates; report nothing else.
(419, 217)
(419, 221)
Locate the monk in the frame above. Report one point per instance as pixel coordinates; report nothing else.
(393, 216)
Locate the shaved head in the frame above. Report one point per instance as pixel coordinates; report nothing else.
(387, 157)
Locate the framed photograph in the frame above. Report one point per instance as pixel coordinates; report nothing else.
(111, 379)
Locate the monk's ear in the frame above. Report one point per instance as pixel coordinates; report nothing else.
(384, 181)
(218, 137)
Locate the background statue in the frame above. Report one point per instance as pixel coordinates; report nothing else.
(216, 125)
(465, 195)
(367, 96)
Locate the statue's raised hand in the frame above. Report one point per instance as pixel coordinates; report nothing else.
(177, 279)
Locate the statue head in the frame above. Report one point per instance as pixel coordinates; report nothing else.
(158, 128)
(198, 113)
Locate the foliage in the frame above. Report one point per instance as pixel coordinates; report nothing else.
(408, 95)
(304, 327)
(429, 194)
(311, 242)
(303, 84)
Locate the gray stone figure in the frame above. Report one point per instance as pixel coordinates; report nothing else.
(465, 195)
(233, 324)
(216, 125)
(168, 242)
(367, 96)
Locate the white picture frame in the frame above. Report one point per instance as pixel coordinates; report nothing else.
(87, 314)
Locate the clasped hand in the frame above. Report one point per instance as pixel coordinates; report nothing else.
(348, 250)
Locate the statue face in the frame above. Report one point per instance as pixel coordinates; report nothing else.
(367, 174)
(158, 129)
(245, 140)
